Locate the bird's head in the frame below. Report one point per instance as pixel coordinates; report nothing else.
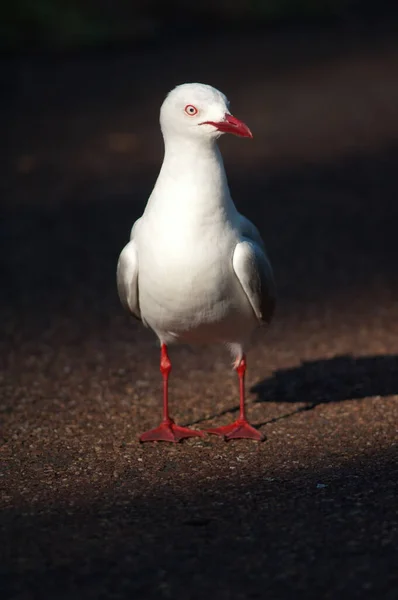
(200, 111)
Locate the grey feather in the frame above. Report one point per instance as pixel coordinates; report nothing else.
(250, 231)
(254, 271)
(127, 279)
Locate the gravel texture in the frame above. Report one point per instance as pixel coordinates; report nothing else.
(86, 511)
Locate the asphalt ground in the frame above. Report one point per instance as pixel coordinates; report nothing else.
(86, 511)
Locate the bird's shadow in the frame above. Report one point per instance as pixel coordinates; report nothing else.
(328, 380)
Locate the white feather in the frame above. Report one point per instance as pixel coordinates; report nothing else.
(179, 272)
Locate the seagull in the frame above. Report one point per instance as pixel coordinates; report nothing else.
(195, 270)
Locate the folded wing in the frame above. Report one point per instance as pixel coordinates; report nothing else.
(254, 271)
(127, 279)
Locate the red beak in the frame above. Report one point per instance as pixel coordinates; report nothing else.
(231, 125)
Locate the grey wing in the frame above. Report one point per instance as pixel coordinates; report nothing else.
(134, 229)
(127, 279)
(248, 230)
(254, 271)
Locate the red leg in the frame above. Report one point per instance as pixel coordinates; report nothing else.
(167, 431)
(241, 428)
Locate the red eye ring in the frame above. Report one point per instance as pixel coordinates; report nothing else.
(190, 110)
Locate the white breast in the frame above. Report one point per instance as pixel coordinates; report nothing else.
(187, 286)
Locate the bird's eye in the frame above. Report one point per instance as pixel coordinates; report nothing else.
(191, 110)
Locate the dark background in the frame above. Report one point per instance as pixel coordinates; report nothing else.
(86, 512)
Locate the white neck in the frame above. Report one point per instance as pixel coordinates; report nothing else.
(192, 180)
